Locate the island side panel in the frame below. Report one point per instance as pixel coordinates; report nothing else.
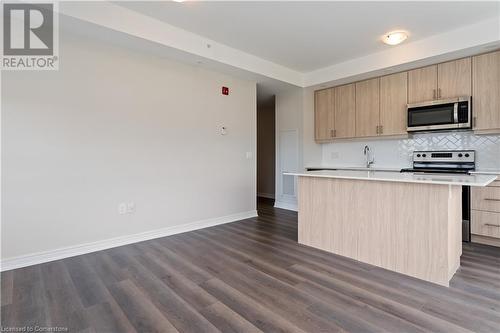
(404, 227)
(454, 229)
(321, 224)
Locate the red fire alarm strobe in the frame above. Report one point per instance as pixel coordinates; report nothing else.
(225, 91)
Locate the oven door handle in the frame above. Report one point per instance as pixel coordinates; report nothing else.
(455, 113)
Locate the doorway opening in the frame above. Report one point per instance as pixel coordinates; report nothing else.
(266, 150)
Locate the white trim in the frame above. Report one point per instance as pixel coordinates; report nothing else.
(71, 251)
(265, 195)
(286, 205)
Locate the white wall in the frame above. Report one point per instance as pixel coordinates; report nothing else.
(115, 126)
(288, 145)
(295, 140)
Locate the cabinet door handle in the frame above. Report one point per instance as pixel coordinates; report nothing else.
(433, 93)
(334, 132)
(492, 225)
(376, 129)
(491, 199)
(474, 122)
(331, 134)
(381, 129)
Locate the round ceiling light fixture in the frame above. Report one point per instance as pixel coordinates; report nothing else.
(395, 37)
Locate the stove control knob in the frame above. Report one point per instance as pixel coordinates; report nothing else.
(418, 155)
(424, 155)
(460, 155)
(467, 155)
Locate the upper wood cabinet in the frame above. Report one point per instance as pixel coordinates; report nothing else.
(422, 84)
(344, 98)
(377, 107)
(323, 115)
(454, 78)
(367, 107)
(393, 100)
(334, 113)
(486, 92)
(446, 80)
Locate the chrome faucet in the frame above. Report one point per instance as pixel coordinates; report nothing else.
(369, 159)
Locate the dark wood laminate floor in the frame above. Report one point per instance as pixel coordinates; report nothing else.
(247, 276)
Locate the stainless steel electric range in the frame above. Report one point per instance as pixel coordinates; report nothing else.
(448, 162)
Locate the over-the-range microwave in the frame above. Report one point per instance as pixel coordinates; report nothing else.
(444, 114)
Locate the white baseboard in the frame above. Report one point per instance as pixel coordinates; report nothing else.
(265, 195)
(286, 205)
(71, 251)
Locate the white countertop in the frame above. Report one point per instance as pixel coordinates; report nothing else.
(486, 172)
(372, 168)
(376, 168)
(404, 177)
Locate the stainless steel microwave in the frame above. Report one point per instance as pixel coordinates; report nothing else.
(444, 114)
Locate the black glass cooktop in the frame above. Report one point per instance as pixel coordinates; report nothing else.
(436, 170)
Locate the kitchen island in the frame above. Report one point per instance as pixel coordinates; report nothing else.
(408, 223)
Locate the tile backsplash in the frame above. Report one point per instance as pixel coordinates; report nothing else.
(396, 153)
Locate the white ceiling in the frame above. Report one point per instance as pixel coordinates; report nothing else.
(306, 36)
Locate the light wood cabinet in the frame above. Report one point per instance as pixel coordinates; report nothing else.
(323, 115)
(422, 84)
(446, 80)
(367, 107)
(393, 100)
(485, 214)
(454, 79)
(486, 198)
(485, 223)
(344, 99)
(486, 92)
(334, 113)
(377, 107)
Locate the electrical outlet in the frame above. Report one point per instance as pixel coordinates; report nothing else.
(122, 208)
(334, 154)
(130, 207)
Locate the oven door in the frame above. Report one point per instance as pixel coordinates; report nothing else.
(433, 117)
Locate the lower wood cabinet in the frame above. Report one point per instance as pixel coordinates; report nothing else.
(485, 223)
(485, 214)
(486, 198)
